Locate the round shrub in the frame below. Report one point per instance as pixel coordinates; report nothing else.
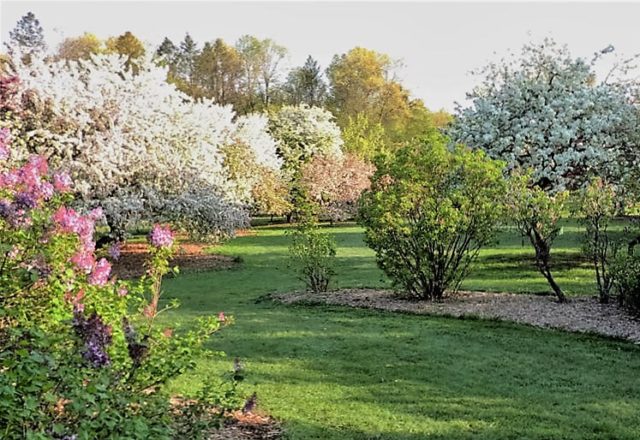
(429, 211)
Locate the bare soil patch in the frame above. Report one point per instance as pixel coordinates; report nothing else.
(190, 256)
(581, 314)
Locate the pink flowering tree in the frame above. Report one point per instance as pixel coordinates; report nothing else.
(82, 353)
(335, 183)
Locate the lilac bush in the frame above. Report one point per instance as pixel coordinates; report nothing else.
(81, 353)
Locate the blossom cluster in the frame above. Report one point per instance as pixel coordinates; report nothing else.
(133, 141)
(161, 236)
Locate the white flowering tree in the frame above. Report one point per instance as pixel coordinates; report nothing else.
(135, 145)
(545, 110)
(302, 132)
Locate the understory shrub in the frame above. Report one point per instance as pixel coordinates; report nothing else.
(597, 207)
(429, 211)
(83, 355)
(536, 213)
(312, 256)
(625, 271)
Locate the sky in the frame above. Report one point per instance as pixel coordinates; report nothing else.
(438, 44)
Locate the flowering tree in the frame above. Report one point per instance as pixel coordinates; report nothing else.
(546, 111)
(335, 184)
(82, 354)
(302, 132)
(135, 145)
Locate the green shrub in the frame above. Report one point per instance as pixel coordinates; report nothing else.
(429, 211)
(597, 206)
(312, 255)
(625, 272)
(536, 213)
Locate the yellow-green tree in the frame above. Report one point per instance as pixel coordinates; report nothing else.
(218, 72)
(361, 82)
(127, 45)
(80, 47)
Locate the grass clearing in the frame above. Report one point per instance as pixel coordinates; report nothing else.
(338, 373)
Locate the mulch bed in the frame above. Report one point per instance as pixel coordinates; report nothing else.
(248, 427)
(189, 257)
(581, 314)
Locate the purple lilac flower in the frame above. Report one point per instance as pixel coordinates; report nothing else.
(161, 236)
(137, 349)
(26, 200)
(6, 209)
(115, 250)
(95, 335)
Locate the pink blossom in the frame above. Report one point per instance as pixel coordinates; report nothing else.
(161, 236)
(100, 273)
(4, 143)
(62, 182)
(70, 221)
(83, 260)
(46, 190)
(67, 219)
(9, 179)
(123, 291)
(96, 214)
(221, 317)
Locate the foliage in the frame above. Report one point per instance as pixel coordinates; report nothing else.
(597, 204)
(79, 48)
(301, 133)
(270, 194)
(133, 142)
(260, 61)
(128, 46)
(536, 214)
(336, 183)
(363, 138)
(428, 213)
(218, 72)
(625, 273)
(312, 255)
(359, 83)
(305, 85)
(82, 354)
(546, 112)
(28, 35)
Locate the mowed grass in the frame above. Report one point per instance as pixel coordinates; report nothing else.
(338, 373)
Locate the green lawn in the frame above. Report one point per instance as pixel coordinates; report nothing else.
(337, 373)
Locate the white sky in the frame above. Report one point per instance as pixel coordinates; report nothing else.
(438, 43)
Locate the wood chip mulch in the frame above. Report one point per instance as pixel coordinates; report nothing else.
(189, 257)
(249, 426)
(581, 314)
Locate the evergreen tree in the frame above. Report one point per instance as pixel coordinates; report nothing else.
(28, 34)
(305, 84)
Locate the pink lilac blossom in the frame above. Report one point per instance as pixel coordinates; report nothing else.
(161, 236)
(96, 214)
(72, 222)
(4, 142)
(83, 260)
(46, 190)
(100, 274)
(62, 182)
